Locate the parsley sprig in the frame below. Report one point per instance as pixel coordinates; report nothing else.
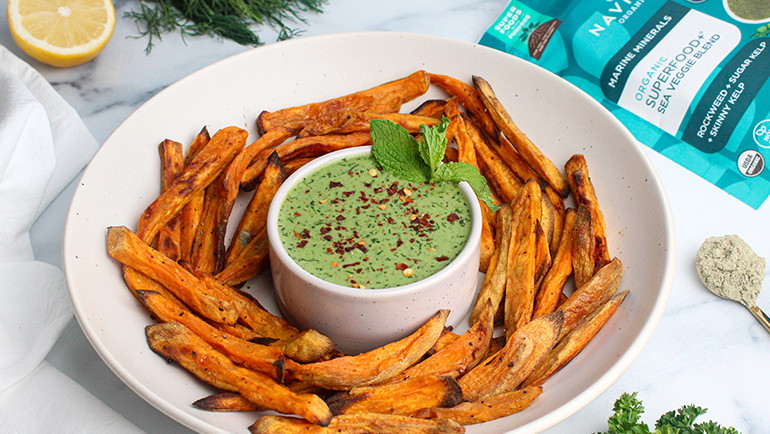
(228, 19)
(628, 411)
(413, 160)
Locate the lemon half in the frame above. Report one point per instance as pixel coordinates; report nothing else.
(61, 33)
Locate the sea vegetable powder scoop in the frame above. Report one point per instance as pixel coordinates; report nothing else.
(729, 268)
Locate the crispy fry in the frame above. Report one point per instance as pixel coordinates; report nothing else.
(403, 398)
(514, 160)
(457, 131)
(460, 356)
(542, 255)
(171, 165)
(254, 218)
(359, 423)
(232, 402)
(126, 247)
(249, 264)
(432, 108)
(551, 288)
(559, 209)
(583, 243)
(261, 358)
(375, 366)
(485, 409)
(506, 369)
(574, 342)
(522, 258)
(493, 287)
(585, 194)
(469, 98)
(352, 121)
(528, 151)
(590, 296)
(302, 147)
(175, 341)
(487, 241)
(385, 98)
(190, 214)
(309, 346)
(199, 173)
(503, 182)
(207, 252)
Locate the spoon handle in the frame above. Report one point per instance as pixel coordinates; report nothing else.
(760, 316)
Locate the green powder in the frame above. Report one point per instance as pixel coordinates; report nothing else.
(730, 269)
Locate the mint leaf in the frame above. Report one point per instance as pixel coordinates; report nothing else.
(432, 146)
(397, 151)
(457, 172)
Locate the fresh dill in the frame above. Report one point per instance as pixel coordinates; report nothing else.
(227, 19)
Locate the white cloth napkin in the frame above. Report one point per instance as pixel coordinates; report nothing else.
(43, 147)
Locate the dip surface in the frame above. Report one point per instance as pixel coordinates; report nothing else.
(350, 224)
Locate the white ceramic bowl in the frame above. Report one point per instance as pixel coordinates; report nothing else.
(557, 116)
(362, 319)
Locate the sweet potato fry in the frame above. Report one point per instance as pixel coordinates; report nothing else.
(460, 356)
(126, 247)
(466, 152)
(515, 162)
(265, 359)
(493, 288)
(302, 147)
(385, 98)
(528, 151)
(403, 398)
(469, 98)
(559, 209)
(293, 164)
(590, 296)
(506, 369)
(171, 165)
(175, 341)
(432, 108)
(200, 172)
(207, 252)
(254, 218)
(553, 283)
(585, 194)
(487, 242)
(358, 423)
(574, 342)
(503, 182)
(376, 366)
(352, 121)
(309, 346)
(522, 265)
(542, 254)
(485, 409)
(232, 402)
(249, 264)
(583, 243)
(190, 214)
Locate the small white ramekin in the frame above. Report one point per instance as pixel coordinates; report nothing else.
(362, 319)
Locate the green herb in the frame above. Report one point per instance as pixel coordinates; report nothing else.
(399, 153)
(228, 19)
(628, 410)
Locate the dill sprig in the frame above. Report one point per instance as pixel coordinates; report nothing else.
(228, 19)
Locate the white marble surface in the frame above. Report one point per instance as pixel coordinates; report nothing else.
(706, 351)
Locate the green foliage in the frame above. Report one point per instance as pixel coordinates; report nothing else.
(397, 152)
(228, 19)
(628, 411)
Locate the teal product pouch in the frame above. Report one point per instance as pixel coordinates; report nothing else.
(688, 78)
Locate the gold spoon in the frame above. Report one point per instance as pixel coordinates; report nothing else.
(723, 263)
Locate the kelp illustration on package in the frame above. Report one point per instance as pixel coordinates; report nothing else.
(688, 78)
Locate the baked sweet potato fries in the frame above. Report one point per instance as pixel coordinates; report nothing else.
(550, 281)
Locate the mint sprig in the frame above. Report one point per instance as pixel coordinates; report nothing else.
(399, 153)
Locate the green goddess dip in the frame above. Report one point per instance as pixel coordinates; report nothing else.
(351, 224)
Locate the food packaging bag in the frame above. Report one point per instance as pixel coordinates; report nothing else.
(688, 78)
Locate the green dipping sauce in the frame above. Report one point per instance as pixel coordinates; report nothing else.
(350, 224)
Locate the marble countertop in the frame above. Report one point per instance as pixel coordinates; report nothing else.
(706, 351)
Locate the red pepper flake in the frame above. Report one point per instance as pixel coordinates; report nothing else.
(333, 184)
(301, 244)
(452, 217)
(353, 264)
(305, 234)
(325, 230)
(340, 218)
(296, 214)
(442, 258)
(401, 267)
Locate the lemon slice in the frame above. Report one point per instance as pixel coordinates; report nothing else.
(61, 32)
